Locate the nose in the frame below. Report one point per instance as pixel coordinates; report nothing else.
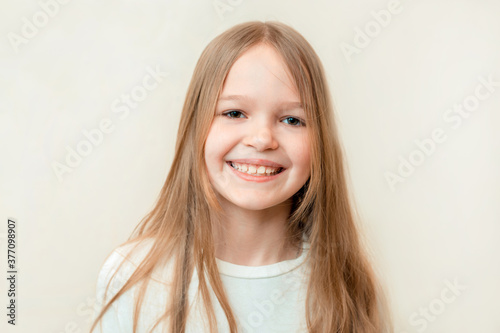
(261, 136)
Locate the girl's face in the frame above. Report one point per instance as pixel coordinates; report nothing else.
(257, 151)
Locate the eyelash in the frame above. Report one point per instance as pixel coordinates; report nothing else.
(226, 114)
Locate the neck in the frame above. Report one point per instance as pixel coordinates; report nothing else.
(253, 237)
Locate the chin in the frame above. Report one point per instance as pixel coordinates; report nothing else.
(254, 206)
(257, 205)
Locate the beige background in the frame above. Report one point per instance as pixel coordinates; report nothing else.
(438, 226)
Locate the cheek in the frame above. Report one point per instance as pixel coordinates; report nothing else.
(302, 153)
(218, 143)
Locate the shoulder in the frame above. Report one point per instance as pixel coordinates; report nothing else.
(117, 268)
(122, 262)
(135, 251)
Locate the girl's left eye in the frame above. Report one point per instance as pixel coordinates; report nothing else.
(295, 121)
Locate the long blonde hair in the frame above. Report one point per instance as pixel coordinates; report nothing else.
(343, 293)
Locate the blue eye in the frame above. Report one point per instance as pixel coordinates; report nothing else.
(295, 121)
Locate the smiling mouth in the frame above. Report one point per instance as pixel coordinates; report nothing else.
(255, 170)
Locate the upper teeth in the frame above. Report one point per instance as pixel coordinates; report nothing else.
(254, 169)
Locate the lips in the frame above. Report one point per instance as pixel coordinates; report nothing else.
(256, 168)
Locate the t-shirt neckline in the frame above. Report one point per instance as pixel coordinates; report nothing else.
(265, 271)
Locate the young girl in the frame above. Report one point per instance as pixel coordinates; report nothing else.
(253, 230)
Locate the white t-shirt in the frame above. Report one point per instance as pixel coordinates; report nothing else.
(268, 298)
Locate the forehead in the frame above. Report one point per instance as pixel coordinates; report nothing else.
(261, 73)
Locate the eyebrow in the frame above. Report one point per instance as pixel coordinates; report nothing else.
(244, 97)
